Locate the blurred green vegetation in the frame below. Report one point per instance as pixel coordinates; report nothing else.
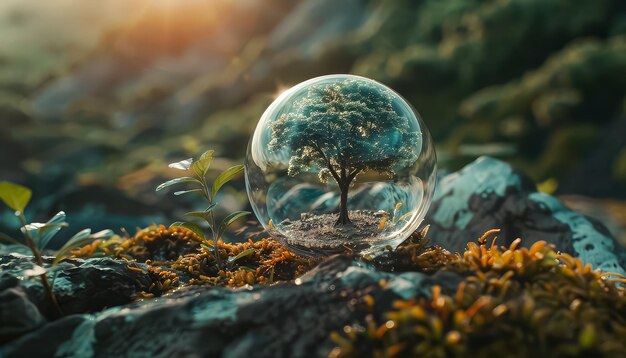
(97, 97)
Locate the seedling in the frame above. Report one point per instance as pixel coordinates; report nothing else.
(198, 178)
(37, 236)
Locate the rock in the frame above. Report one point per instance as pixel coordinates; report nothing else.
(488, 194)
(18, 315)
(92, 284)
(80, 285)
(290, 319)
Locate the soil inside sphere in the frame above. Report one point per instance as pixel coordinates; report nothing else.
(319, 234)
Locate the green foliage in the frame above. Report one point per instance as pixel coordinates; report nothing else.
(42, 233)
(224, 177)
(79, 239)
(177, 181)
(349, 126)
(198, 177)
(37, 236)
(15, 196)
(228, 220)
(191, 226)
(241, 255)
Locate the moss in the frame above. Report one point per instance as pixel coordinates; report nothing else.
(154, 243)
(415, 254)
(176, 256)
(512, 302)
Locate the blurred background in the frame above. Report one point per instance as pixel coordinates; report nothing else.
(96, 97)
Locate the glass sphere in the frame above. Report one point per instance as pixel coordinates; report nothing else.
(340, 163)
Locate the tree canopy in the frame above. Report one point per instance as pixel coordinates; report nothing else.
(349, 125)
(343, 128)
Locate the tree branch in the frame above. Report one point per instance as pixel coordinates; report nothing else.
(328, 165)
(354, 173)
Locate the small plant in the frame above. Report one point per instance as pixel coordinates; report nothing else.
(37, 236)
(198, 177)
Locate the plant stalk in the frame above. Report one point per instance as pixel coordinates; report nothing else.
(39, 260)
(216, 250)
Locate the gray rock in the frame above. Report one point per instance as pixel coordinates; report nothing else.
(488, 194)
(18, 315)
(80, 285)
(290, 319)
(92, 284)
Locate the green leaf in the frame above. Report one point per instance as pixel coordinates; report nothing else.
(86, 233)
(176, 181)
(78, 236)
(65, 251)
(182, 165)
(224, 177)
(202, 214)
(50, 229)
(103, 234)
(229, 220)
(197, 214)
(201, 166)
(587, 336)
(15, 196)
(43, 233)
(47, 233)
(197, 191)
(241, 254)
(191, 226)
(81, 238)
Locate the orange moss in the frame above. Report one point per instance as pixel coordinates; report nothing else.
(155, 243)
(177, 255)
(512, 302)
(262, 262)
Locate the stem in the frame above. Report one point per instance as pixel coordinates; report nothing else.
(333, 172)
(39, 260)
(211, 222)
(215, 243)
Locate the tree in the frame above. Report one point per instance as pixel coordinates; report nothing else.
(342, 129)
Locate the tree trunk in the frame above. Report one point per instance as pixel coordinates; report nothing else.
(343, 207)
(344, 186)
